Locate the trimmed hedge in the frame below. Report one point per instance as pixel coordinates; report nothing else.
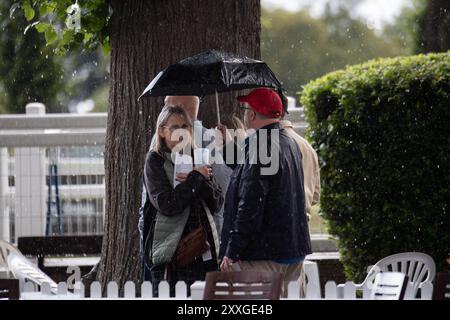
(382, 132)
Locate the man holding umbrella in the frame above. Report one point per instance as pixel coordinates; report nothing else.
(265, 224)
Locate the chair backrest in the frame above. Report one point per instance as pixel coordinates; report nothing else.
(21, 267)
(5, 250)
(242, 285)
(389, 286)
(24, 270)
(442, 286)
(418, 267)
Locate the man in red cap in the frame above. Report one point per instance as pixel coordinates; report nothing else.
(265, 224)
(265, 107)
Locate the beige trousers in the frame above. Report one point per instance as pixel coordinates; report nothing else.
(290, 272)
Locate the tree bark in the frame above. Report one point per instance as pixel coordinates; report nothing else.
(147, 36)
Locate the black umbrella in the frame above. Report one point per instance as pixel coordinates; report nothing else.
(212, 72)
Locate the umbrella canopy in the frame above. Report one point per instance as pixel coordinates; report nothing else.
(211, 72)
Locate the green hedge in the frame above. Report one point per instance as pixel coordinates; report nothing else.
(382, 132)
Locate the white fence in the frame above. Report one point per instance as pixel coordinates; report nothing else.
(129, 292)
(29, 144)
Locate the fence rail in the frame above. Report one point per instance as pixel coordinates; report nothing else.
(46, 121)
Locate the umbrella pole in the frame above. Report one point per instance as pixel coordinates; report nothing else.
(217, 108)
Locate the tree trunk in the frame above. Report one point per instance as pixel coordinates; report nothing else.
(436, 26)
(146, 36)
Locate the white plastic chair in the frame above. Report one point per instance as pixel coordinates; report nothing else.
(5, 250)
(419, 267)
(22, 268)
(389, 286)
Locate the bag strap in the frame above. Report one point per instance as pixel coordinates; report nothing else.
(212, 225)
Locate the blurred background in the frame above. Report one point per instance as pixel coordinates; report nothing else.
(301, 40)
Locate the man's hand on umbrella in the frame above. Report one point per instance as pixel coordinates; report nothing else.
(223, 136)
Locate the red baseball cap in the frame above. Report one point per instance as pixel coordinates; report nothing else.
(264, 101)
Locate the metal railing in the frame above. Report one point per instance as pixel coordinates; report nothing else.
(29, 145)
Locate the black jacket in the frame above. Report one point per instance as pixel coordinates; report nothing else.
(264, 216)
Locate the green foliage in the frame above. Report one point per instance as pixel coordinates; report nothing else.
(300, 48)
(100, 97)
(87, 75)
(51, 18)
(28, 10)
(383, 137)
(28, 69)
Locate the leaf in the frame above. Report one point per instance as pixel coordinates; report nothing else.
(28, 10)
(50, 35)
(87, 36)
(46, 8)
(42, 26)
(61, 49)
(106, 48)
(67, 36)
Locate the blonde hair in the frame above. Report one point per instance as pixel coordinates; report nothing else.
(157, 144)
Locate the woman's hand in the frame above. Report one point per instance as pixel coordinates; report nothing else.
(182, 177)
(206, 171)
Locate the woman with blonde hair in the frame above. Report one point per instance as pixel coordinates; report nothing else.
(171, 213)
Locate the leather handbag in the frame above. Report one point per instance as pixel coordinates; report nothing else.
(191, 247)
